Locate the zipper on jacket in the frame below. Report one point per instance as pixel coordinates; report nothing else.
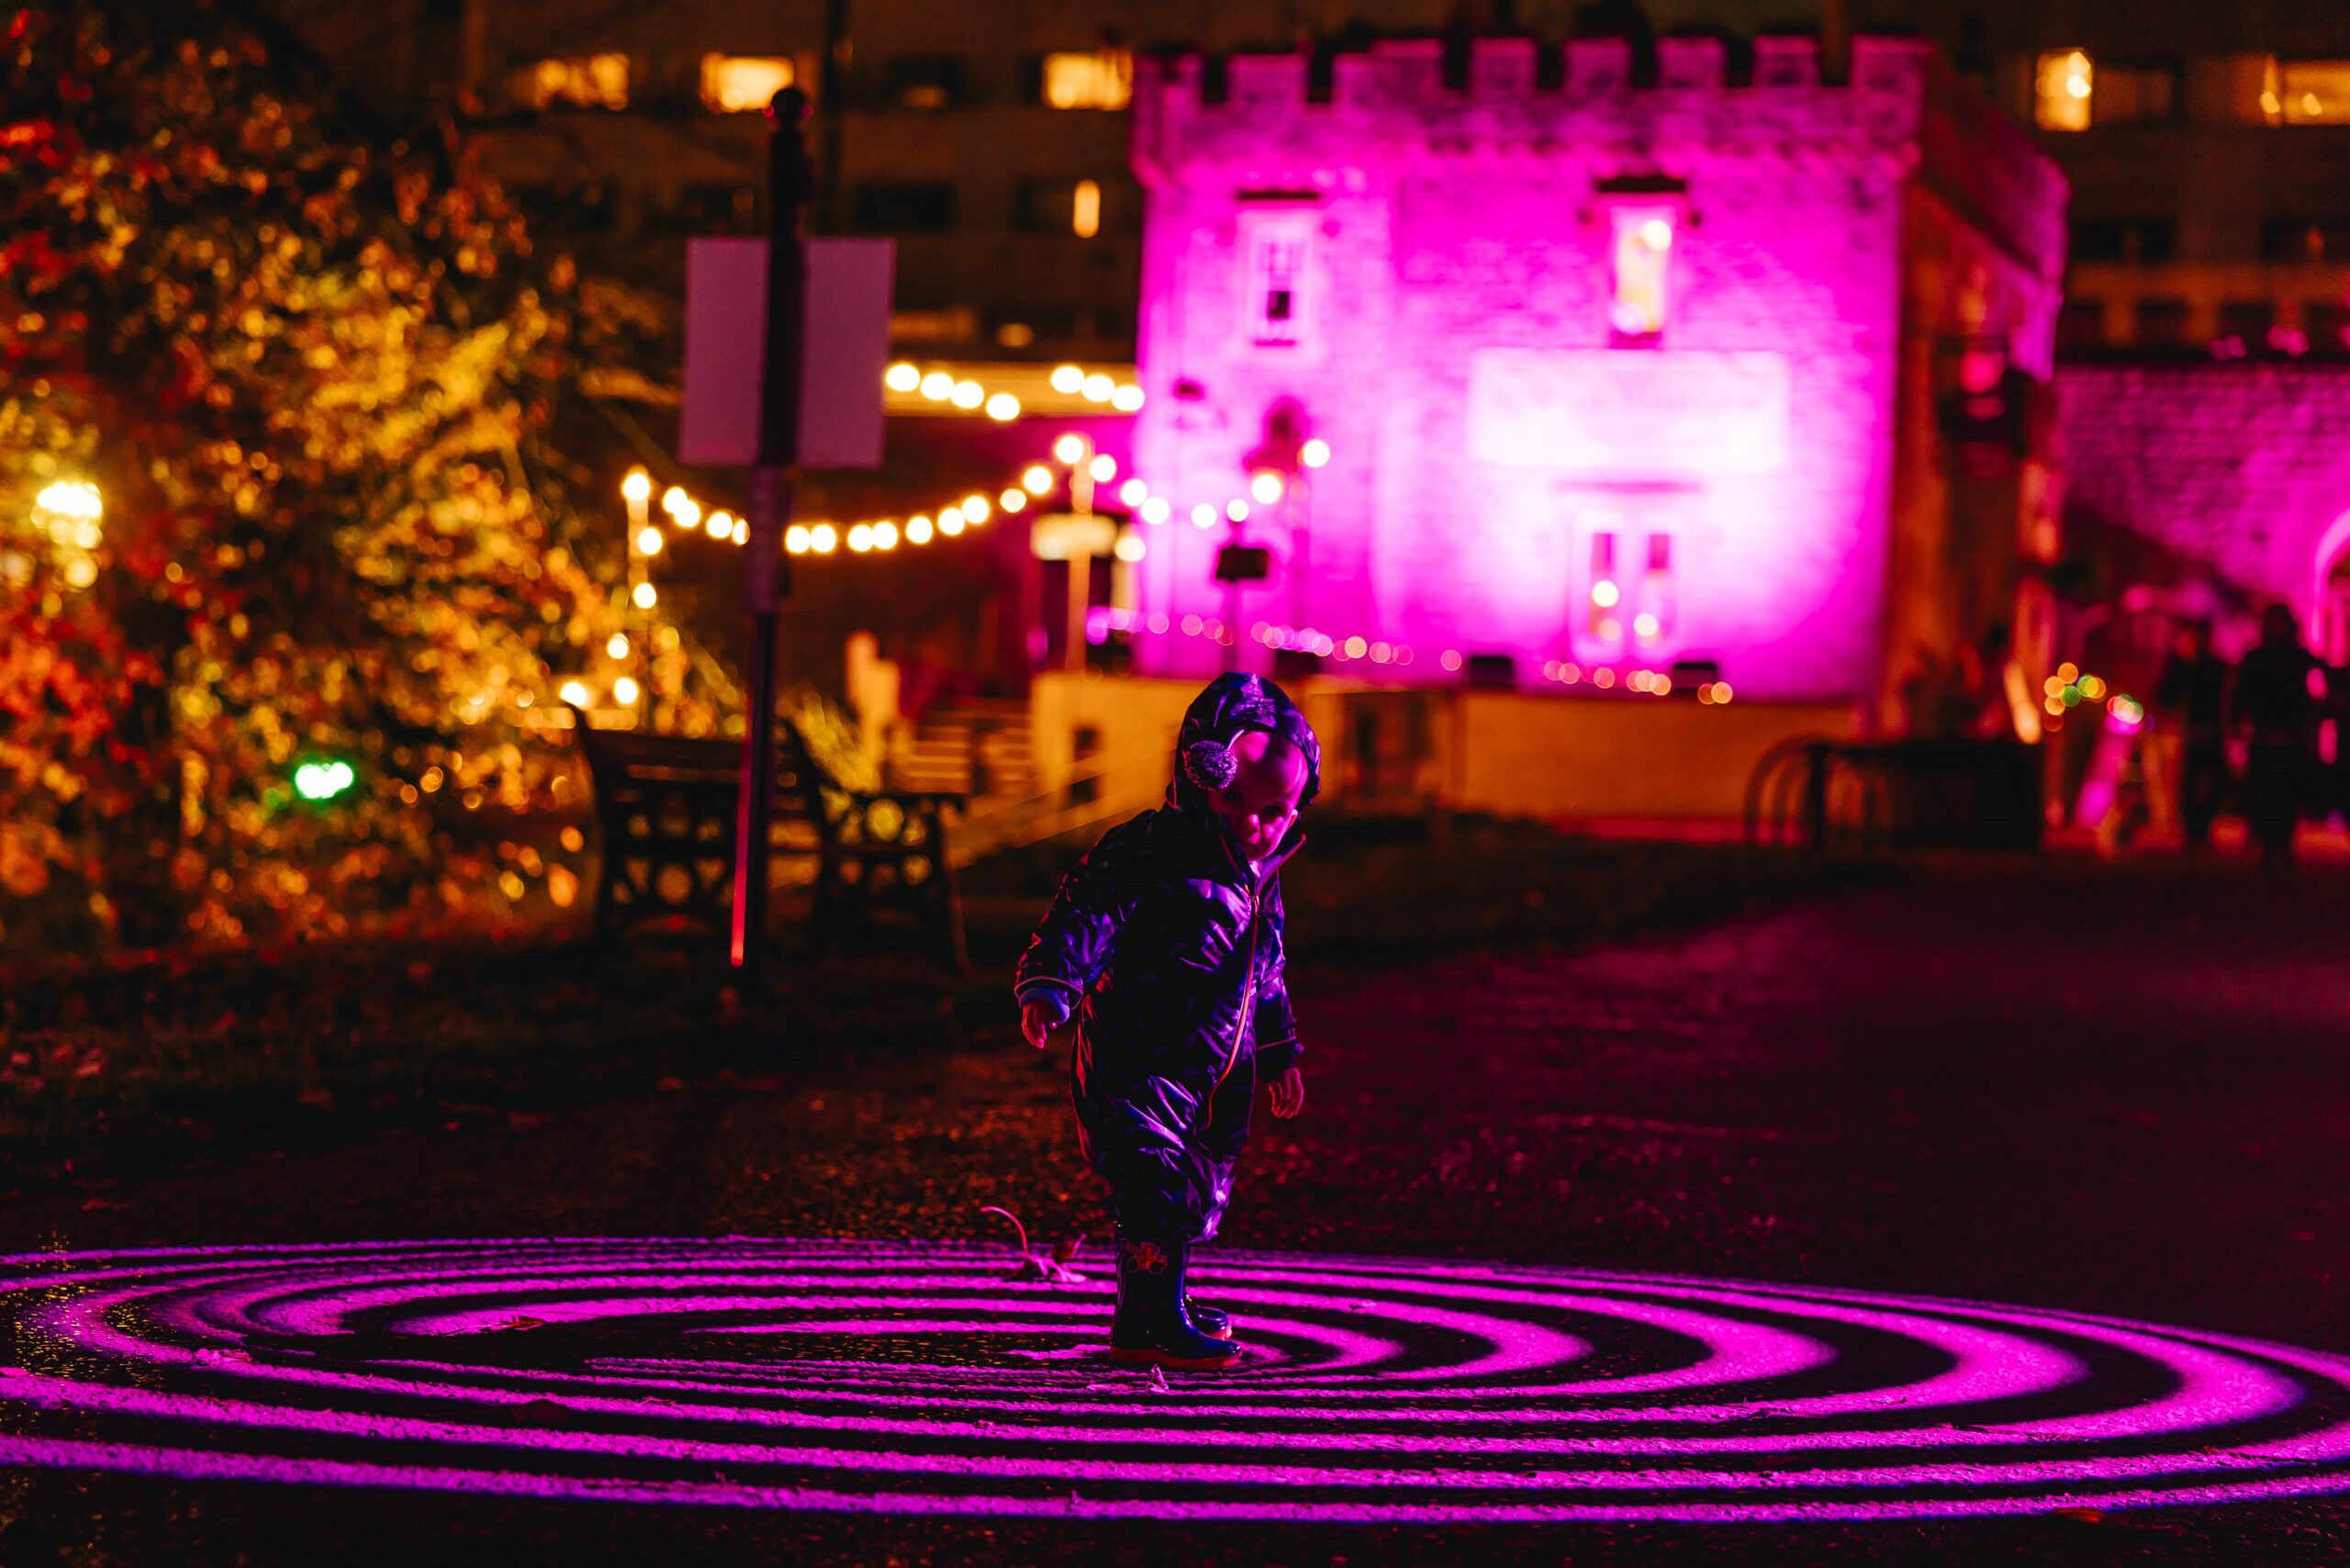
(1247, 1015)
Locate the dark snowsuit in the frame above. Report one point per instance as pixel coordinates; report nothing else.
(1169, 952)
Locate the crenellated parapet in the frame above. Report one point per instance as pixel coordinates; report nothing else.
(1393, 101)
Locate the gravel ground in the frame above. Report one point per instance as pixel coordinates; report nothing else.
(2056, 1083)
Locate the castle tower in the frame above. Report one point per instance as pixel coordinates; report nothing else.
(1609, 374)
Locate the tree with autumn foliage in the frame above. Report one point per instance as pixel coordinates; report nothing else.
(311, 378)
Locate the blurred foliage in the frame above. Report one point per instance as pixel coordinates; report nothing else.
(311, 371)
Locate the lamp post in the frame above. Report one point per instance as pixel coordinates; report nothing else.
(790, 182)
(1077, 453)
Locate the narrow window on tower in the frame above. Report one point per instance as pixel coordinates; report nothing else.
(1607, 594)
(1658, 609)
(1085, 210)
(1642, 250)
(1277, 252)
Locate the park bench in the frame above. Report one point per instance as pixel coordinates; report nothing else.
(665, 810)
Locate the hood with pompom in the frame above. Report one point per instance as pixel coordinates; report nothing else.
(1230, 707)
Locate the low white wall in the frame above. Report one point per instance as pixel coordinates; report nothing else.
(1509, 753)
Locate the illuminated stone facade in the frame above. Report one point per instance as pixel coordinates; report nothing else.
(1610, 375)
(2243, 469)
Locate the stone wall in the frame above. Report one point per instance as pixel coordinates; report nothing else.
(2242, 467)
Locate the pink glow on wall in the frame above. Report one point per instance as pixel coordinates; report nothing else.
(1453, 282)
(2243, 468)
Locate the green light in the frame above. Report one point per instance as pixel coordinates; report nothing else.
(323, 781)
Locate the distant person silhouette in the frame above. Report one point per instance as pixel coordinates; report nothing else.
(2191, 698)
(2277, 690)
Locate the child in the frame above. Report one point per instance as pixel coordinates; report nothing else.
(1166, 941)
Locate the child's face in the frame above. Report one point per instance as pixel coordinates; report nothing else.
(1258, 807)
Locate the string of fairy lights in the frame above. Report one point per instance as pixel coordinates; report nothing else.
(962, 392)
(1073, 463)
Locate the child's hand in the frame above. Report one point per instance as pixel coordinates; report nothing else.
(1037, 1021)
(1289, 1092)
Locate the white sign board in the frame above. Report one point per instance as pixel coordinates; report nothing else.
(1629, 411)
(845, 351)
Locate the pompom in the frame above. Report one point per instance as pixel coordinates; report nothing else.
(1210, 765)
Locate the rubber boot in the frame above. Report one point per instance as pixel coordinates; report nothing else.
(1150, 1326)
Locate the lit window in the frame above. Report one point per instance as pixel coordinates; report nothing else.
(2304, 239)
(583, 81)
(2306, 91)
(1083, 207)
(743, 84)
(1605, 595)
(1659, 606)
(1098, 78)
(1278, 248)
(1643, 254)
(2062, 91)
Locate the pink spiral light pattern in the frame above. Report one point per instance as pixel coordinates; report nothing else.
(913, 1378)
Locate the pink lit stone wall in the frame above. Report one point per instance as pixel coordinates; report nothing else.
(2243, 467)
(1454, 351)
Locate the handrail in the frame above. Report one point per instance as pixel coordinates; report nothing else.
(1011, 823)
(1102, 765)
